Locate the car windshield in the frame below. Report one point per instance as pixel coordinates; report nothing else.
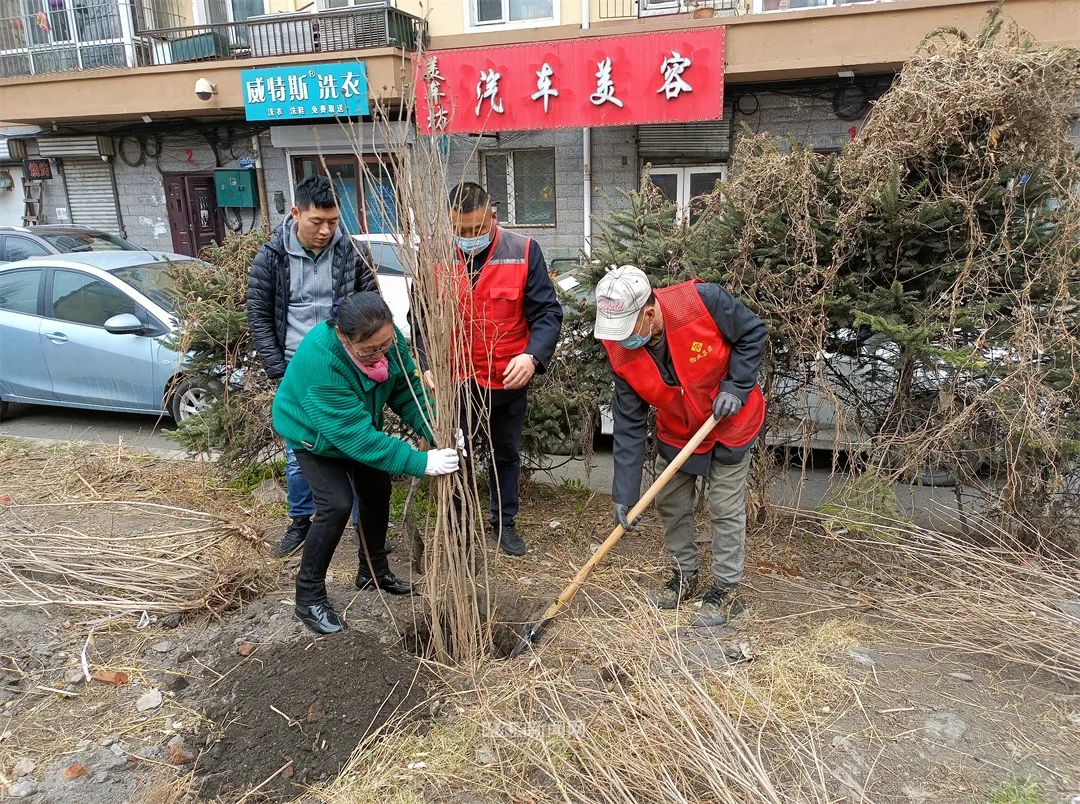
(387, 261)
(155, 281)
(70, 242)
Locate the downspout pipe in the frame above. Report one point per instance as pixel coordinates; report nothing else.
(586, 160)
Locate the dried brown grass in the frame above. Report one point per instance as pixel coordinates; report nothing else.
(983, 593)
(100, 531)
(614, 708)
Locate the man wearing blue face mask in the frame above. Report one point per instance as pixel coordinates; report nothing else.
(690, 351)
(512, 318)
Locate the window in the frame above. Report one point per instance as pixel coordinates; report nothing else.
(386, 259)
(21, 248)
(501, 12)
(19, 291)
(373, 211)
(786, 5)
(685, 184)
(82, 299)
(156, 282)
(522, 186)
(87, 241)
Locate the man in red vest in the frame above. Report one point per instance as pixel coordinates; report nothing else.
(690, 351)
(513, 319)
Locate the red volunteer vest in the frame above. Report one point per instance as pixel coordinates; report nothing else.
(493, 310)
(700, 356)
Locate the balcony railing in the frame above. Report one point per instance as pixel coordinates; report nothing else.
(70, 35)
(286, 35)
(632, 9)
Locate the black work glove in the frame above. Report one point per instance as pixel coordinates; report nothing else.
(620, 516)
(725, 404)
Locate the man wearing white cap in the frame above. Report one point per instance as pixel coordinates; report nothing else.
(690, 351)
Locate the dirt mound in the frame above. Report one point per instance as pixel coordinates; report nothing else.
(300, 710)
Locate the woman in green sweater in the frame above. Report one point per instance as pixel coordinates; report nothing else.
(329, 409)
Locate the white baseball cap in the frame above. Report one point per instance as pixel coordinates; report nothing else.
(620, 295)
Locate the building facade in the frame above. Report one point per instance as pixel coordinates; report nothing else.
(106, 98)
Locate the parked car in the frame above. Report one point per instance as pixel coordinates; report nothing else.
(393, 276)
(21, 242)
(89, 330)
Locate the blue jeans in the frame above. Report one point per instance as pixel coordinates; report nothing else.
(301, 501)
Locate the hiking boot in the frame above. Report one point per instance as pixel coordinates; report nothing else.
(385, 582)
(678, 590)
(294, 536)
(719, 606)
(320, 618)
(509, 540)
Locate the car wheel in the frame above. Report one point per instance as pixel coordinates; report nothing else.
(3, 410)
(188, 399)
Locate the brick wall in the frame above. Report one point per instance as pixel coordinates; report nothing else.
(141, 189)
(614, 166)
(809, 121)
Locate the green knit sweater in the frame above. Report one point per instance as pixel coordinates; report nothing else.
(327, 406)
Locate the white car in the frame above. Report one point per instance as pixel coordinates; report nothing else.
(394, 281)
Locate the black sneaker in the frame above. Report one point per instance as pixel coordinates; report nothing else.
(320, 618)
(719, 606)
(294, 536)
(509, 540)
(677, 591)
(385, 582)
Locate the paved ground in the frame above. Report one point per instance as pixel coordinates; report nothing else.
(134, 432)
(86, 426)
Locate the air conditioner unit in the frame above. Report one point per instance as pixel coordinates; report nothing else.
(83, 146)
(281, 34)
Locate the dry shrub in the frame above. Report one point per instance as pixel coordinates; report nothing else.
(98, 530)
(185, 561)
(985, 594)
(921, 286)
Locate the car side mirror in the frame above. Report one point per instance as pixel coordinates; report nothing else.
(125, 324)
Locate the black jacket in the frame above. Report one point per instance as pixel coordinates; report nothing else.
(268, 293)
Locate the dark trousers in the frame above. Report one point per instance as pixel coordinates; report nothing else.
(500, 415)
(332, 481)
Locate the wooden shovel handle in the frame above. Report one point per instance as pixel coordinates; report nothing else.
(646, 500)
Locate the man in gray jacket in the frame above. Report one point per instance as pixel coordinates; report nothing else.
(296, 281)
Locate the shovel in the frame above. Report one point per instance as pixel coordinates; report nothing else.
(529, 634)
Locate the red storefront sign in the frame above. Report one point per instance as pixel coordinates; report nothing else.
(667, 77)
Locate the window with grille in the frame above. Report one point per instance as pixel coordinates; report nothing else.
(522, 185)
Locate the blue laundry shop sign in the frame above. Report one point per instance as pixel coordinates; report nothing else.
(337, 89)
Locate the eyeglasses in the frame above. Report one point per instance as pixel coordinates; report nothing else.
(373, 352)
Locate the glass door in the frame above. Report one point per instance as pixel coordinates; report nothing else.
(686, 185)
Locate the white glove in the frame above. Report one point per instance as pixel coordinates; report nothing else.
(461, 442)
(441, 461)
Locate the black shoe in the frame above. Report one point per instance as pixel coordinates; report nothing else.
(320, 618)
(385, 582)
(294, 536)
(509, 540)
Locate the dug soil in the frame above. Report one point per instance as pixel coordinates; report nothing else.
(301, 709)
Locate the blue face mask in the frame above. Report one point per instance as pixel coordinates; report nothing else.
(633, 342)
(471, 245)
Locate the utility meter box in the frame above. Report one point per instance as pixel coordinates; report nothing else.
(236, 188)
